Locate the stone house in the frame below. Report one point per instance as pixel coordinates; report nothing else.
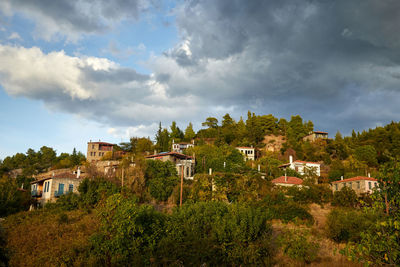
(48, 189)
(315, 135)
(96, 150)
(179, 160)
(360, 184)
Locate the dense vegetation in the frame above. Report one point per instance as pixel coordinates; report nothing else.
(234, 216)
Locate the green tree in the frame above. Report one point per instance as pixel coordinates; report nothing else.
(189, 133)
(367, 154)
(210, 122)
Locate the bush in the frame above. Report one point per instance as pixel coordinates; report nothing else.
(128, 234)
(318, 194)
(215, 233)
(346, 197)
(297, 244)
(347, 225)
(278, 206)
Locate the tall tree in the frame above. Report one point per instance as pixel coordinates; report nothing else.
(189, 132)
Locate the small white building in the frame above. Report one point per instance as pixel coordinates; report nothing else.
(247, 152)
(180, 147)
(301, 166)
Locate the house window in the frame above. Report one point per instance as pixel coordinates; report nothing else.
(376, 185)
(351, 185)
(94, 153)
(358, 185)
(369, 185)
(61, 188)
(187, 172)
(71, 188)
(92, 146)
(336, 187)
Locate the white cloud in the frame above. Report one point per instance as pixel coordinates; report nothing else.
(14, 36)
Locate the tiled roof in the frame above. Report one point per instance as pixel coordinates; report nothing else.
(357, 178)
(319, 132)
(245, 147)
(60, 175)
(176, 154)
(290, 180)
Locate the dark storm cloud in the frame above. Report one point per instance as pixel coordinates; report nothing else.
(316, 58)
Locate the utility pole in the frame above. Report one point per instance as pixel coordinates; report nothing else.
(180, 200)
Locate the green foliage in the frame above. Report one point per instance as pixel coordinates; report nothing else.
(278, 206)
(161, 178)
(189, 133)
(162, 139)
(299, 245)
(210, 122)
(378, 245)
(345, 225)
(137, 145)
(129, 234)
(319, 194)
(12, 199)
(215, 234)
(345, 197)
(214, 157)
(92, 191)
(367, 154)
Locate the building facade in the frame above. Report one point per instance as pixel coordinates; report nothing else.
(48, 189)
(180, 147)
(96, 150)
(315, 135)
(249, 153)
(302, 166)
(360, 184)
(181, 161)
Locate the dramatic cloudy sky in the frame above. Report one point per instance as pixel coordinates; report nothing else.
(71, 71)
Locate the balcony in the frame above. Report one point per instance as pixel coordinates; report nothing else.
(36, 193)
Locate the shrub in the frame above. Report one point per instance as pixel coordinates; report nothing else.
(215, 233)
(128, 234)
(318, 194)
(298, 245)
(346, 197)
(347, 225)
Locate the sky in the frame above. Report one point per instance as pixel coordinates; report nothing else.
(75, 71)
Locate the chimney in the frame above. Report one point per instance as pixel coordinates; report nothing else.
(209, 171)
(193, 141)
(285, 177)
(155, 152)
(259, 168)
(78, 172)
(290, 159)
(369, 175)
(53, 174)
(22, 186)
(173, 141)
(341, 177)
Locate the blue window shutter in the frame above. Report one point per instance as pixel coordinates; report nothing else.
(60, 188)
(71, 188)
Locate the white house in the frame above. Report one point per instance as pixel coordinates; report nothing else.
(248, 152)
(301, 166)
(180, 147)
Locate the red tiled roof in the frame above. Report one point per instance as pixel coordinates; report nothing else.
(319, 132)
(245, 147)
(290, 180)
(357, 178)
(178, 155)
